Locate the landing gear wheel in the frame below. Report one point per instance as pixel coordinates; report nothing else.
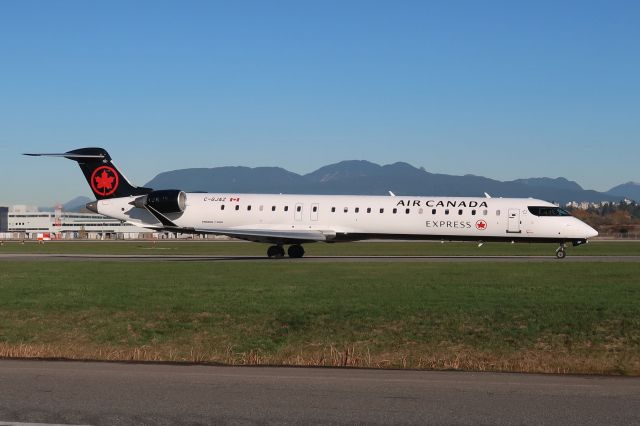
(295, 251)
(561, 253)
(275, 252)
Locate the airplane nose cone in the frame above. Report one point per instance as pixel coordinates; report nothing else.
(590, 232)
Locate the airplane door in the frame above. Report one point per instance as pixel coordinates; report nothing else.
(298, 212)
(513, 225)
(314, 211)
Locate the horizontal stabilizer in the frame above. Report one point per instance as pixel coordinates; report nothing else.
(65, 155)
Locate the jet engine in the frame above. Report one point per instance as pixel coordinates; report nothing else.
(163, 201)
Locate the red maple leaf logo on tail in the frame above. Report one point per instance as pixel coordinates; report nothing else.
(104, 181)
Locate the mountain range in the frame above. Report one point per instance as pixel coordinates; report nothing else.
(367, 178)
(630, 190)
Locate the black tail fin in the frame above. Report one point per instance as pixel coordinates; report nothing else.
(103, 177)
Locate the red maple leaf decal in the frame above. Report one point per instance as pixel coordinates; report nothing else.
(481, 224)
(105, 181)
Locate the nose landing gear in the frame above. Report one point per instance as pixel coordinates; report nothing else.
(561, 253)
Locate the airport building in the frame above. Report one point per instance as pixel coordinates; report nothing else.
(24, 222)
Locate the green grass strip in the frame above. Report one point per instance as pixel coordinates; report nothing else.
(168, 247)
(545, 317)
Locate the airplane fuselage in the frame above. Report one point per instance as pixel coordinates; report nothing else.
(353, 217)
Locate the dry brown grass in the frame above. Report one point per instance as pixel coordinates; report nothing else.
(358, 356)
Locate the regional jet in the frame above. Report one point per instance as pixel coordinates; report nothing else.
(293, 220)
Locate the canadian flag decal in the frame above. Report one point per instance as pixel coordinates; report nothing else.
(232, 199)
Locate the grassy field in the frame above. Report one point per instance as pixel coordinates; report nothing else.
(319, 249)
(533, 317)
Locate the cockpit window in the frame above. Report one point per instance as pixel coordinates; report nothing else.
(548, 211)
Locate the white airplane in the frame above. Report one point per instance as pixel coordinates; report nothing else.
(297, 219)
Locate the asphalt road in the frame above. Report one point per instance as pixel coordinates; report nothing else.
(129, 394)
(218, 258)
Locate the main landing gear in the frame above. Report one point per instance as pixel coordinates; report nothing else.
(561, 252)
(295, 251)
(277, 252)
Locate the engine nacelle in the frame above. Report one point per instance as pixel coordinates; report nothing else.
(164, 201)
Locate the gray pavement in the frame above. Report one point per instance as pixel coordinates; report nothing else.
(128, 394)
(318, 259)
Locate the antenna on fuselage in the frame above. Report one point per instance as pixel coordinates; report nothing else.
(392, 194)
(487, 195)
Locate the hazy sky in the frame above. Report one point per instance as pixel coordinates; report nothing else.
(504, 89)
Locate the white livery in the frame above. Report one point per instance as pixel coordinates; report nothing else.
(297, 219)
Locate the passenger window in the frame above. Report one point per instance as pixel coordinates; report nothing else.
(407, 211)
(333, 209)
(497, 212)
(286, 208)
(460, 212)
(273, 208)
(473, 212)
(261, 208)
(299, 208)
(381, 210)
(248, 208)
(368, 209)
(485, 212)
(357, 209)
(395, 211)
(315, 209)
(222, 207)
(237, 207)
(446, 211)
(433, 211)
(420, 211)
(346, 209)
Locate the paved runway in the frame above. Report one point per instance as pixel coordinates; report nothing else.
(126, 394)
(219, 258)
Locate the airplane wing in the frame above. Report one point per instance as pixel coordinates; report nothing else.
(261, 235)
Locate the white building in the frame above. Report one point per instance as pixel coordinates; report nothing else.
(24, 222)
